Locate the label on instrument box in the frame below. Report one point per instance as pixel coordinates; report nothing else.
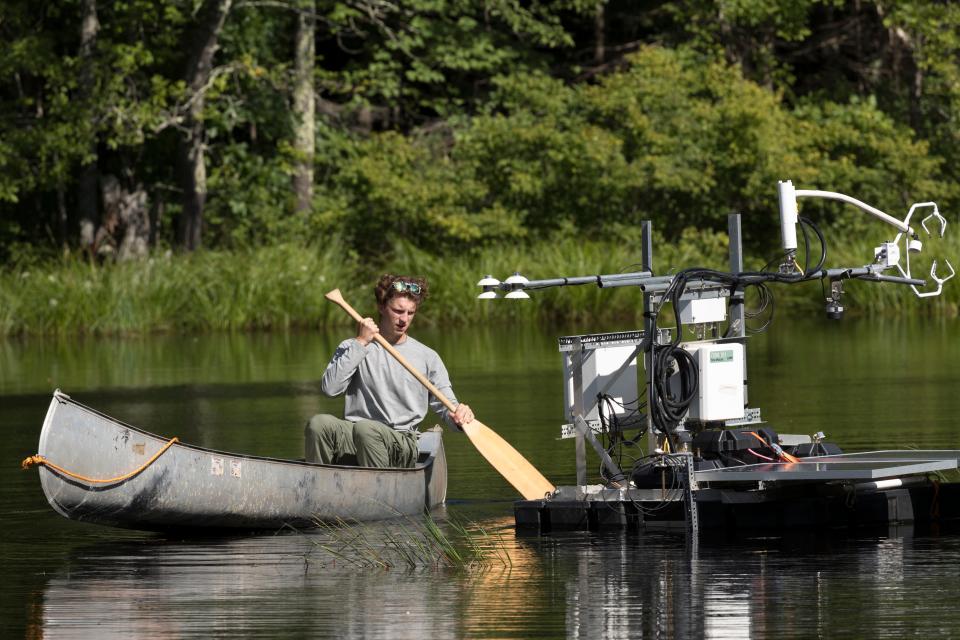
(721, 356)
(235, 468)
(216, 466)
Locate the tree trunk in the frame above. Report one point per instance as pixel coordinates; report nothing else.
(191, 169)
(157, 210)
(135, 222)
(61, 215)
(304, 106)
(125, 232)
(87, 190)
(105, 242)
(192, 177)
(599, 34)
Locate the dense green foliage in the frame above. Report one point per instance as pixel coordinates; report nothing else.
(457, 131)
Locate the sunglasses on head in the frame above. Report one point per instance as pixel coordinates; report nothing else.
(400, 285)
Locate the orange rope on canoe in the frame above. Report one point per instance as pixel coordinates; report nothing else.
(40, 460)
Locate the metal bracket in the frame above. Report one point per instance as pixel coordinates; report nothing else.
(570, 430)
(584, 430)
(690, 487)
(751, 415)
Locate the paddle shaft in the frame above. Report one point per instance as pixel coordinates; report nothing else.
(336, 297)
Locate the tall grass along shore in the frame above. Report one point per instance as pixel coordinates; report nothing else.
(282, 286)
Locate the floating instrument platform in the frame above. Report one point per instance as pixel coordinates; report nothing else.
(847, 490)
(674, 399)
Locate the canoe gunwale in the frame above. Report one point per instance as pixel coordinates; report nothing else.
(65, 399)
(178, 490)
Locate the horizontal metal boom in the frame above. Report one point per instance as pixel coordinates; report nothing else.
(599, 280)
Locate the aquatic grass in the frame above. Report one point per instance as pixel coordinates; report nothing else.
(282, 286)
(411, 544)
(354, 545)
(272, 287)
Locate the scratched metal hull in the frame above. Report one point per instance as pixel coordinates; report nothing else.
(191, 487)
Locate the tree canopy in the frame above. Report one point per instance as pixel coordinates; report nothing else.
(453, 124)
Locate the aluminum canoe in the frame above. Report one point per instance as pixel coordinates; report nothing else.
(190, 487)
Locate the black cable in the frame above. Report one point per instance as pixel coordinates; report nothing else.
(806, 247)
(675, 483)
(670, 404)
(669, 407)
(804, 223)
(612, 426)
(766, 300)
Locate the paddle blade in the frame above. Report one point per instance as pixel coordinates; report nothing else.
(516, 469)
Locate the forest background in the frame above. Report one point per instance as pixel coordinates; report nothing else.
(180, 165)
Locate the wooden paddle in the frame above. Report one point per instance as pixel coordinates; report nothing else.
(514, 467)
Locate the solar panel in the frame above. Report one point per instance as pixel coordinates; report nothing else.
(870, 465)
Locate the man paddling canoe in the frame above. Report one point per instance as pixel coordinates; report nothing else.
(384, 403)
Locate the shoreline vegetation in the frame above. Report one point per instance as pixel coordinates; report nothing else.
(281, 287)
(177, 167)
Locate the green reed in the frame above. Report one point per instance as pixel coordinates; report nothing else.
(282, 286)
(273, 287)
(408, 543)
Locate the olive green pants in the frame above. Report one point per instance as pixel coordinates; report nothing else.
(332, 440)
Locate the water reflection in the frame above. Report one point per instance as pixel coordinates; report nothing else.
(270, 586)
(807, 587)
(581, 586)
(867, 387)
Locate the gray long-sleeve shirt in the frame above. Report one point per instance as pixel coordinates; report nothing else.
(379, 388)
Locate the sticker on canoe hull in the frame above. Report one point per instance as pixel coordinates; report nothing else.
(235, 468)
(216, 466)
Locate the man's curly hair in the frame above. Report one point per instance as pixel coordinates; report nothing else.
(385, 291)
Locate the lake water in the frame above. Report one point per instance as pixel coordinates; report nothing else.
(867, 384)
